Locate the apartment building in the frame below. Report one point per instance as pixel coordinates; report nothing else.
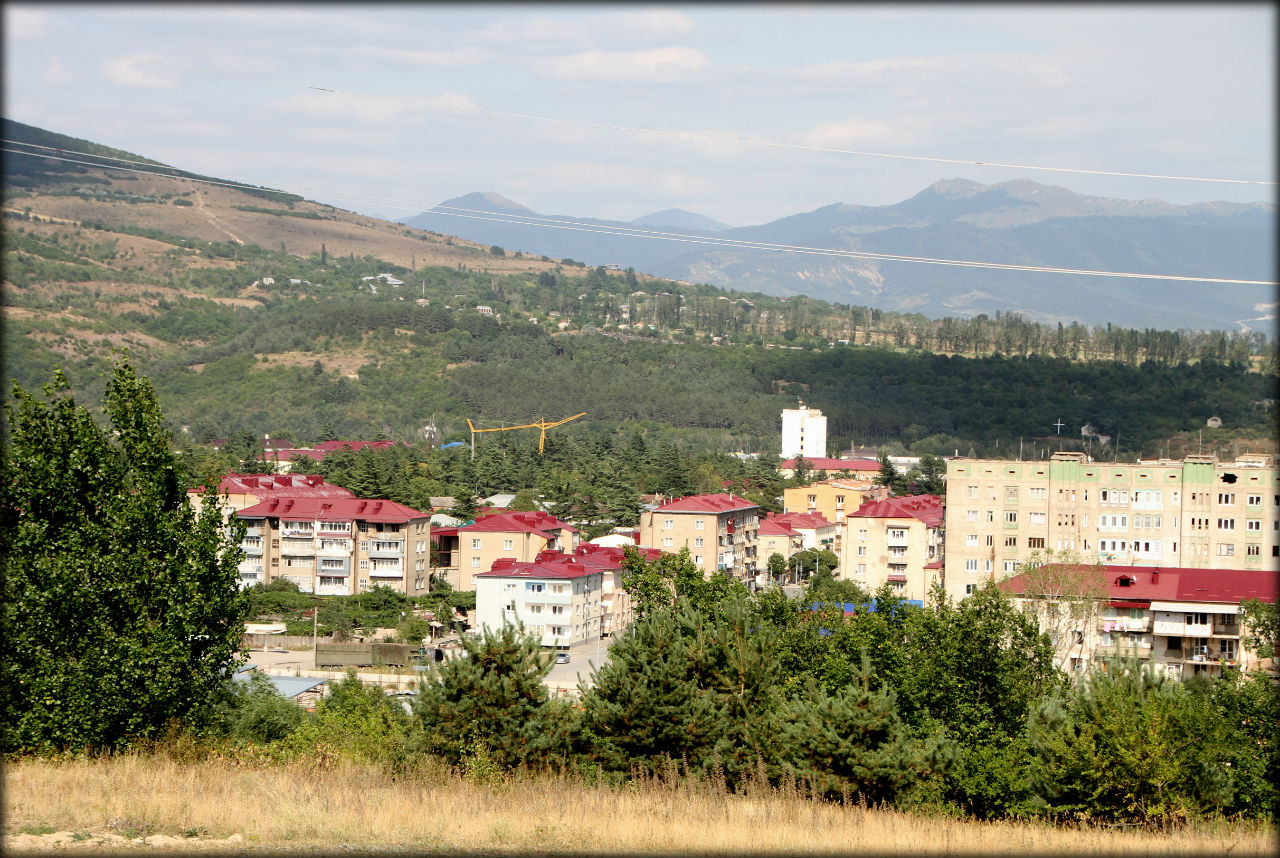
(777, 537)
(895, 540)
(1195, 513)
(239, 491)
(336, 546)
(1180, 621)
(720, 531)
(815, 464)
(833, 499)
(564, 599)
(804, 432)
(471, 549)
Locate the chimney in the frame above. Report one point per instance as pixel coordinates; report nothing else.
(1155, 576)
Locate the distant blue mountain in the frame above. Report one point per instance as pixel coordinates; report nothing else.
(1018, 222)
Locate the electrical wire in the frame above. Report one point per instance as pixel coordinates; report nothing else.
(639, 232)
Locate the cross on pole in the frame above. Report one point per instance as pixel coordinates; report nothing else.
(1059, 424)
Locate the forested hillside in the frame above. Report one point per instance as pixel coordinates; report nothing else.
(259, 312)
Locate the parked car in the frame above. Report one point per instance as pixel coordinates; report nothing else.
(562, 657)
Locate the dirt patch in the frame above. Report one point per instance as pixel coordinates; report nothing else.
(96, 841)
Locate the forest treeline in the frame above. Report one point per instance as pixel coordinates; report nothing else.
(713, 366)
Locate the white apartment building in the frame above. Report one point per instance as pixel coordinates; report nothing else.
(1197, 512)
(804, 433)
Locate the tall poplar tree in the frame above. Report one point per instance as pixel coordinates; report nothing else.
(121, 607)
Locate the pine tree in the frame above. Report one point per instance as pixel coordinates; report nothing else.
(491, 702)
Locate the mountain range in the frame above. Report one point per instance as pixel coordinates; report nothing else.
(1018, 222)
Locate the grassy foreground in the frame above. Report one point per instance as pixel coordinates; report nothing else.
(215, 804)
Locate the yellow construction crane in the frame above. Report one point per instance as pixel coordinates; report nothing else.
(542, 426)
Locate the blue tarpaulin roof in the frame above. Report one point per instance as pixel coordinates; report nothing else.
(287, 686)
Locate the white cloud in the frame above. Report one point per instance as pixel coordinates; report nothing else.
(657, 64)
(56, 74)
(848, 132)
(371, 110)
(136, 73)
(660, 23)
(398, 56)
(24, 22)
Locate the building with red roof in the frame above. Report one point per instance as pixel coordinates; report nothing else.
(1181, 621)
(336, 545)
(720, 531)
(470, 549)
(562, 598)
(835, 498)
(895, 540)
(830, 466)
(244, 490)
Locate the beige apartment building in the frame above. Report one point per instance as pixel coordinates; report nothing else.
(832, 499)
(721, 532)
(336, 546)
(1181, 622)
(1197, 513)
(896, 540)
(469, 550)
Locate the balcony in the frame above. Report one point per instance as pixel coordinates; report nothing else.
(298, 547)
(396, 571)
(1225, 630)
(253, 531)
(298, 533)
(390, 550)
(1127, 624)
(334, 550)
(341, 568)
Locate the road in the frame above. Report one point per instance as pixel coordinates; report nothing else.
(562, 677)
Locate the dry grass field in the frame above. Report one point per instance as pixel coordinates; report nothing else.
(221, 805)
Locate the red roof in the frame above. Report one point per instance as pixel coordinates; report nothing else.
(1178, 584)
(595, 559)
(926, 508)
(707, 503)
(536, 521)
(330, 446)
(802, 520)
(336, 509)
(824, 464)
(297, 485)
(770, 526)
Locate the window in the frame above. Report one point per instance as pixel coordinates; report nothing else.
(1010, 566)
(1035, 542)
(969, 588)
(971, 539)
(1226, 524)
(1039, 494)
(971, 565)
(1226, 549)
(971, 515)
(862, 569)
(475, 563)
(862, 551)
(839, 500)
(862, 534)
(364, 564)
(1253, 525)
(697, 542)
(535, 609)
(475, 544)
(557, 610)
(506, 545)
(1252, 551)
(1038, 518)
(331, 581)
(667, 542)
(1226, 497)
(1197, 619)
(991, 515)
(897, 551)
(535, 587)
(813, 499)
(698, 524)
(1254, 500)
(991, 540)
(1011, 493)
(1011, 542)
(697, 559)
(897, 533)
(973, 491)
(668, 523)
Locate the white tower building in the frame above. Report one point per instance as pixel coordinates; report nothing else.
(804, 433)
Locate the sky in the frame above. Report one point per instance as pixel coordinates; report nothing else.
(740, 112)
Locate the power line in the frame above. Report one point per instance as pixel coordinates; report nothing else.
(639, 232)
(683, 135)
